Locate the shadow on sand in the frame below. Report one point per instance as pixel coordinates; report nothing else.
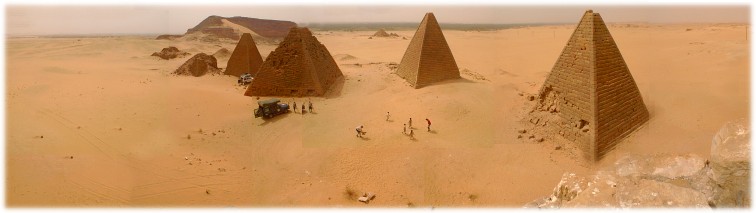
(274, 119)
(335, 90)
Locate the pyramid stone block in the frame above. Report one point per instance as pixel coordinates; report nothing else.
(428, 58)
(245, 58)
(591, 88)
(300, 66)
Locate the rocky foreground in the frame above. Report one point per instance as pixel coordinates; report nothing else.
(687, 181)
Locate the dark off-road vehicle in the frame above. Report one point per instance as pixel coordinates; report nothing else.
(271, 107)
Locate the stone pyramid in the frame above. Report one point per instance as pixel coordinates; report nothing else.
(592, 90)
(245, 58)
(300, 66)
(428, 58)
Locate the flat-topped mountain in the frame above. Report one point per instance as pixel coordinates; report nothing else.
(262, 27)
(217, 27)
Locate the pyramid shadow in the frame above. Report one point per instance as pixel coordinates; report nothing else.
(335, 90)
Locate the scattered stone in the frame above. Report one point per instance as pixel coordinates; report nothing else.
(557, 147)
(531, 98)
(522, 131)
(531, 136)
(540, 139)
(207, 191)
(519, 136)
(365, 198)
(535, 120)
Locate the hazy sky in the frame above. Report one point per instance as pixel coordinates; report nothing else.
(162, 19)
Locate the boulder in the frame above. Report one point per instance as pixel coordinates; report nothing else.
(731, 164)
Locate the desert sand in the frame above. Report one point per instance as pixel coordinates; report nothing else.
(97, 121)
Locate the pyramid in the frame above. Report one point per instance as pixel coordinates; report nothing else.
(428, 58)
(245, 58)
(300, 66)
(592, 90)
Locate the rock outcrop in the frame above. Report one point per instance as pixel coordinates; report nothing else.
(683, 181)
(170, 53)
(199, 65)
(731, 164)
(383, 33)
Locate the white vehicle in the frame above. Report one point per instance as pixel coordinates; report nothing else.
(245, 79)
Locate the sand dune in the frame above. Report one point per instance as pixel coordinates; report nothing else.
(142, 137)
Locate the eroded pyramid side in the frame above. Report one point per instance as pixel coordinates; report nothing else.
(568, 87)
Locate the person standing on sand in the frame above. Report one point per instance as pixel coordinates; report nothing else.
(410, 123)
(303, 108)
(429, 123)
(359, 131)
(387, 116)
(405, 129)
(412, 134)
(295, 107)
(310, 106)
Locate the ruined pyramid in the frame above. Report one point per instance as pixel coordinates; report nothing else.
(592, 91)
(428, 58)
(245, 58)
(300, 66)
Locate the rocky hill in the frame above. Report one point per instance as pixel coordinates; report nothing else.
(233, 27)
(214, 28)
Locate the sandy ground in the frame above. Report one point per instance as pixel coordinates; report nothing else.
(98, 122)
